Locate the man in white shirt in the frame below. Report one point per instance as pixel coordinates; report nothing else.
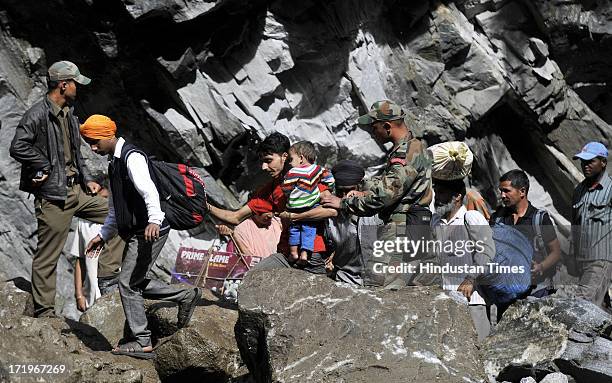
(135, 214)
(458, 225)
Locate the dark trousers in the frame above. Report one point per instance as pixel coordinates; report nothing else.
(136, 284)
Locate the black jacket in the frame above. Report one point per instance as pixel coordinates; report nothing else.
(131, 212)
(37, 145)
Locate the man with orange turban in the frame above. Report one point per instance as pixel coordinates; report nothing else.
(99, 127)
(47, 145)
(135, 215)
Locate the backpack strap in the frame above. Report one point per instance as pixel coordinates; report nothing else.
(133, 149)
(537, 228)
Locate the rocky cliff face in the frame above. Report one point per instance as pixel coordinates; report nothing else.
(526, 83)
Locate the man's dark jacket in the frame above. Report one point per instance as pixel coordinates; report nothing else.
(38, 145)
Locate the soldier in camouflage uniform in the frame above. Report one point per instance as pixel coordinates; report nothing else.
(400, 196)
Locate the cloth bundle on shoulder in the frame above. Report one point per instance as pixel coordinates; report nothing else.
(451, 160)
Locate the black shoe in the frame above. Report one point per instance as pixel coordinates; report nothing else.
(187, 308)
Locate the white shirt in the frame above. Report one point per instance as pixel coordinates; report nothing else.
(138, 171)
(462, 218)
(84, 233)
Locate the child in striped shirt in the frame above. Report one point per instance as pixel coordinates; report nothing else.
(302, 185)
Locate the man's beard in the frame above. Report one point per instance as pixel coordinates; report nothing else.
(443, 210)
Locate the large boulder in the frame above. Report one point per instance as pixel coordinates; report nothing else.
(294, 327)
(541, 336)
(74, 351)
(203, 351)
(107, 316)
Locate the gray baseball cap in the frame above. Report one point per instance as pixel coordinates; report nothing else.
(66, 70)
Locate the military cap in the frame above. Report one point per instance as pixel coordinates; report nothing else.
(384, 110)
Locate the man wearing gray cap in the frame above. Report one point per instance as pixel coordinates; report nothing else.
(592, 224)
(47, 144)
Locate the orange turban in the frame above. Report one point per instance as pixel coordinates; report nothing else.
(98, 127)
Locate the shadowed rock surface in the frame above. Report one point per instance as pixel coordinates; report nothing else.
(538, 337)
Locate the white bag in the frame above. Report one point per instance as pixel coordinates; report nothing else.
(451, 160)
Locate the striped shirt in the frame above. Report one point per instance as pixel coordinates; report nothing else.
(592, 220)
(301, 185)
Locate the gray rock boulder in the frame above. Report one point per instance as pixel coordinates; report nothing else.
(556, 377)
(539, 337)
(14, 302)
(178, 10)
(106, 316)
(205, 350)
(78, 351)
(294, 327)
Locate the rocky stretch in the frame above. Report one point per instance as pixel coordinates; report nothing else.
(290, 326)
(308, 328)
(525, 83)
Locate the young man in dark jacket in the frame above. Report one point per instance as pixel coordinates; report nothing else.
(47, 144)
(135, 214)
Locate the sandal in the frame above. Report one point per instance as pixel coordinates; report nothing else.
(186, 309)
(133, 349)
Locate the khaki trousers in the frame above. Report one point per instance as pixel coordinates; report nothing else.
(54, 219)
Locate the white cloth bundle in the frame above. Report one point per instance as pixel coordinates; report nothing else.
(451, 160)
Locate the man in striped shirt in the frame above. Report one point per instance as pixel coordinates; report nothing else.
(591, 229)
(301, 186)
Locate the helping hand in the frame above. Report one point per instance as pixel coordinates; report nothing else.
(330, 201)
(355, 193)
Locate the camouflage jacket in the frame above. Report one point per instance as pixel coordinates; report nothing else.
(406, 181)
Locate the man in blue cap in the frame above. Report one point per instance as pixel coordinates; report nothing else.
(591, 229)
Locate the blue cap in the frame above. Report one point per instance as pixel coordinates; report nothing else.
(592, 150)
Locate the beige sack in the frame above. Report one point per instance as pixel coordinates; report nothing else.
(451, 160)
